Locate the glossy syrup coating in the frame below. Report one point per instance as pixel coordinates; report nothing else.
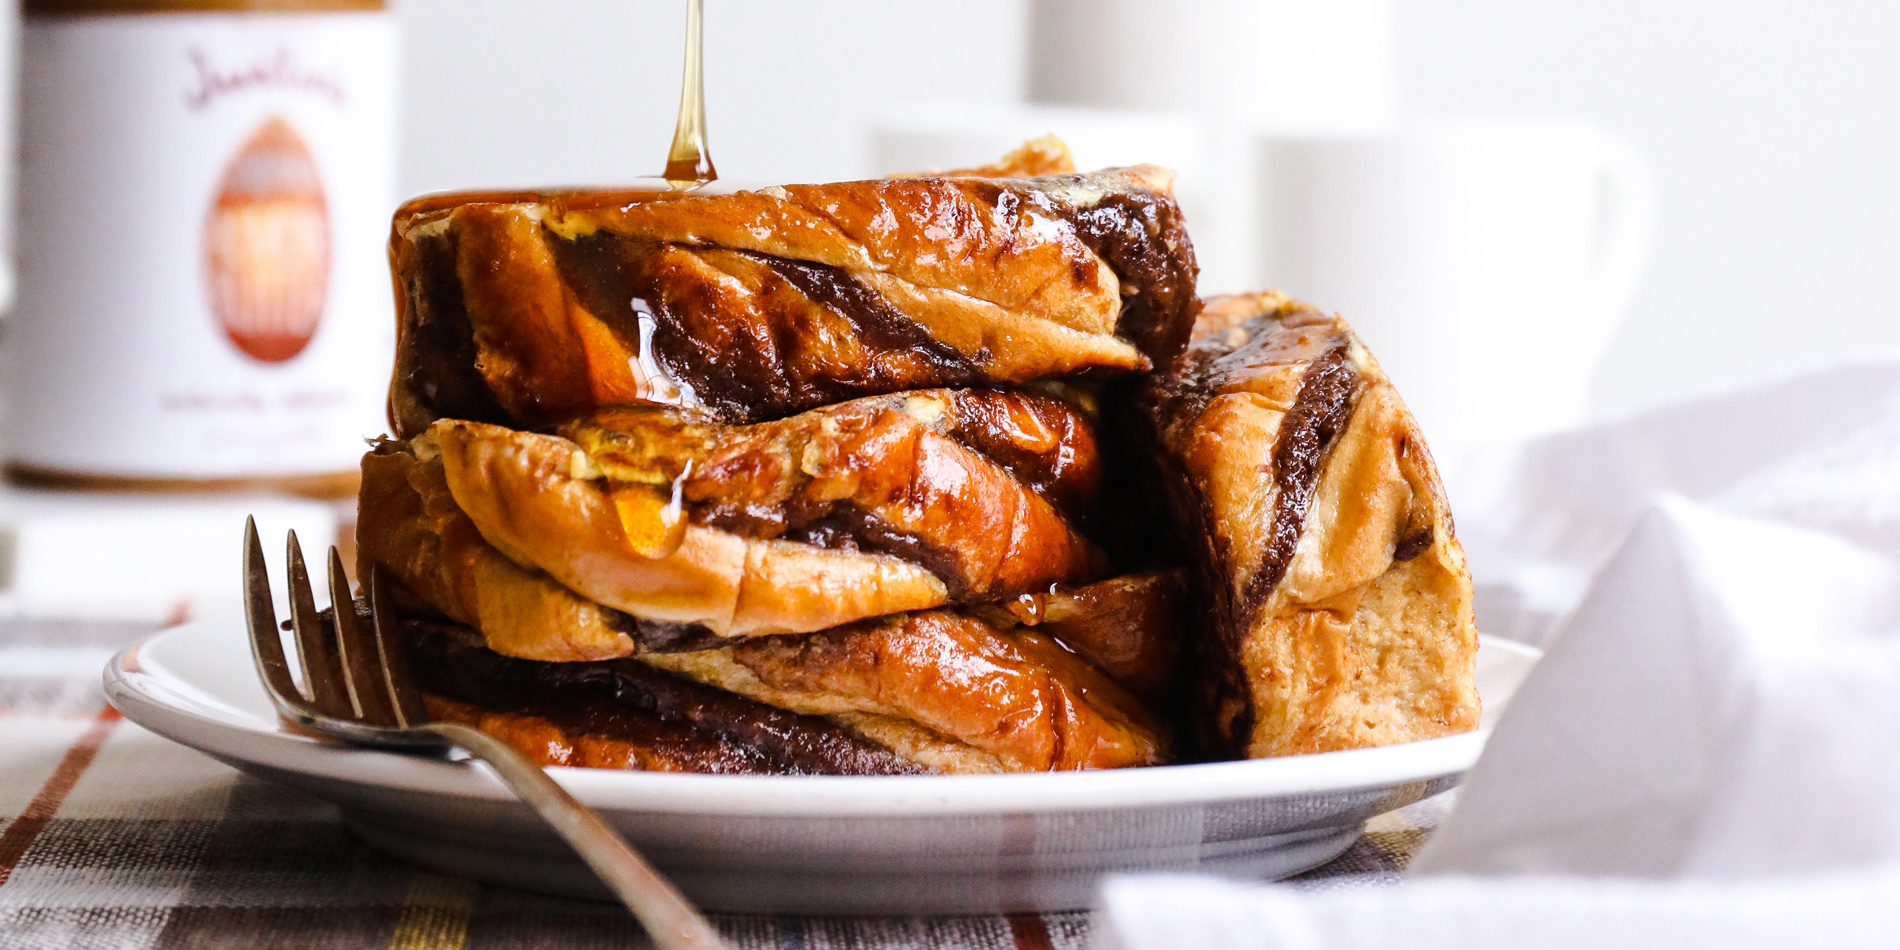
(853, 511)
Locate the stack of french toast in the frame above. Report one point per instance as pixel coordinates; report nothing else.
(946, 473)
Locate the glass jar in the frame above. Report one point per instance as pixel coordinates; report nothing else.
(205, 191)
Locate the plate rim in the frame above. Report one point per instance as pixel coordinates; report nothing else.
(140, 694)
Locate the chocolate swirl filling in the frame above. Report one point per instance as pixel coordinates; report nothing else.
(1322, 407)
(1316, 420)
(744, 368)
(625, 700)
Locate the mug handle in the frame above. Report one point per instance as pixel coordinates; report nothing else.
(1626, 227)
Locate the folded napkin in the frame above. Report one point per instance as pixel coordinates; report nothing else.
(1538, 519)
(1725, 702)
(1709, 754)
(1153, 913)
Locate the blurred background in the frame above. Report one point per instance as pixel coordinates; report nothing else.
(1772, 128)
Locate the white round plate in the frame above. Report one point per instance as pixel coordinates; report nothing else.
(819, 845)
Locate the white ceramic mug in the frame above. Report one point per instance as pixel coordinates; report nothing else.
(1485, 262)
(1305, 64)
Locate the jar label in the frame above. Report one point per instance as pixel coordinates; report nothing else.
(267, 245)
(204, 208)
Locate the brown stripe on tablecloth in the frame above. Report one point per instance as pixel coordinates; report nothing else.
(215, 851)
(1030, 932)
(21, 832)
(1361, 865)
(1399, 846)
(277, 928)
(156, 846)
(279, 847)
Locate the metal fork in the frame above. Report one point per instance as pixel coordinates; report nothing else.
(361, 692)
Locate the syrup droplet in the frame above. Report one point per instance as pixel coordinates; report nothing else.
(671, 514)
(689, 163)
(652, 382)
(650, 519)
(1028, 609)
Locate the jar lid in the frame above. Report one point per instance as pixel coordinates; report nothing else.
(73, 7)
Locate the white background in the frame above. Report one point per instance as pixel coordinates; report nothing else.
(1773, 127)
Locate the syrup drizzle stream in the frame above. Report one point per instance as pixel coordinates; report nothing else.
(690, 163)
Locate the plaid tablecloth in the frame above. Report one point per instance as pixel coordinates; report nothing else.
(111, 837)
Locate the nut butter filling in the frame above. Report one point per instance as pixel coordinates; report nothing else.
(844, 526)
(1043, 278)
(1311, 426)
(1143, 238)
(439, 363)
(627, 701)
(660, 636)
(1328, 389)
(1314, 423)
(751, 363)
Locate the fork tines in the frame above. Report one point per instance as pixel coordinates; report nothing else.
(355, 671)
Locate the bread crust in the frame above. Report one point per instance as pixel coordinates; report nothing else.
(847, 513)
(514, 307)
(948, 690)
(1320, 534)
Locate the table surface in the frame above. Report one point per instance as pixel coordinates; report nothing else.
(113, 837)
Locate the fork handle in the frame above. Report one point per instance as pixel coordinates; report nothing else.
(669, 919)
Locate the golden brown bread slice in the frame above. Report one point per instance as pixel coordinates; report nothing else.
(409, 524)
(769, 478)
(936, 691)
(946, 690)
(1010, 699)
(694, 530)
(943, 690)
(623, 714)
(1127, 626)
(714, 584)
(527, 309)
(1320, 538)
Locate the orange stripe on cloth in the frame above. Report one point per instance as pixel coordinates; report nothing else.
(20, 835)
(1030, 932)
(434, 914)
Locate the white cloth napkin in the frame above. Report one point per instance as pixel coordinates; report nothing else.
(1709, 755)
(1726, 702)
(1836, 911)
(1538, 519)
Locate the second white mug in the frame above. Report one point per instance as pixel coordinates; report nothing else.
(1486, 263)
